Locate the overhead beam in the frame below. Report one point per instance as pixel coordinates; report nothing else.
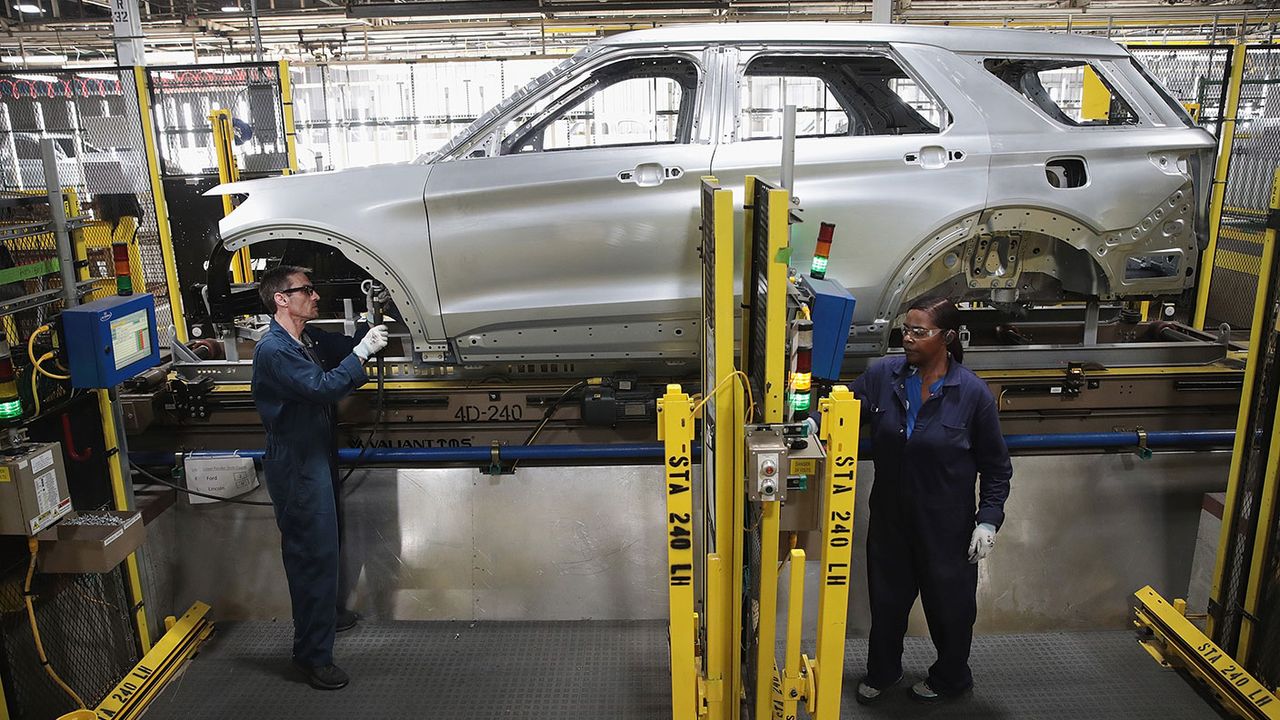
(450, 8)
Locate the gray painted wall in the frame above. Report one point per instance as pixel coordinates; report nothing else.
(1083, 532)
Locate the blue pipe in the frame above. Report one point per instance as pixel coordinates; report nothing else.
(1104, 440)
(654, 451)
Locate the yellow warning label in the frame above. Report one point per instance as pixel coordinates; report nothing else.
(4, 475)
(804, 466)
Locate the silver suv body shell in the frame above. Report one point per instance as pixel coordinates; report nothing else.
(551, 255)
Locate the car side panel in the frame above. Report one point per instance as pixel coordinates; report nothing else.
(884, 205)
(537, 238)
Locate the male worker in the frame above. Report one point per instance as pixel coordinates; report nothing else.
(295, 396)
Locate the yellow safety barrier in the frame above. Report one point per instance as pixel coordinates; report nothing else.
(675, 430)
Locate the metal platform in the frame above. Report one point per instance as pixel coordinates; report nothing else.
(593, 669)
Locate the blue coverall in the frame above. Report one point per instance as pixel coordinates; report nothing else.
(923, 513)
(295, 396)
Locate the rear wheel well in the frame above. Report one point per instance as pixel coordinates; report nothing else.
(1010, 267)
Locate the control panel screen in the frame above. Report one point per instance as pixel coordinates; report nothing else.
(131, 338)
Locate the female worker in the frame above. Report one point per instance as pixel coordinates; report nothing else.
(934, 430)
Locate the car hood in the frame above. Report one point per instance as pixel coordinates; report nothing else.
(359, 204)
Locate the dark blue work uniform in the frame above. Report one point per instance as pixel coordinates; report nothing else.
(295, 396)
(923, 512)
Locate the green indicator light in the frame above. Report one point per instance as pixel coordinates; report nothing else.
(800, 401)
(819, 266)
(124, 285)
(10, 410)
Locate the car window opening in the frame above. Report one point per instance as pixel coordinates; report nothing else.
(645, 101)
(834, 96)
(1072, 92)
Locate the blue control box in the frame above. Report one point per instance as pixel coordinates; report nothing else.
(110, 340)
(832, 307)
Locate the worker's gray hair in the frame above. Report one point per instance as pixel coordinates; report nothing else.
(276, 280)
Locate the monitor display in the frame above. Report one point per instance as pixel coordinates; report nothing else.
(130, 338)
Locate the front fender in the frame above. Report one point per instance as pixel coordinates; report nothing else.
(420, 315)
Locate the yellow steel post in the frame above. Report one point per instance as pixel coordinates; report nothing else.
(839, 434)
(1267, 493)
(779, 207)
(739, 445)
(1175, 641)
(675, 430)
(115, 465)
(717, 637)
(1241, 443)
(162, 209)
(78, 248)
(1229, 113)
(183, 637)
(748, 222)
(229, 171)
(286, 110)
(775, 337)
(793, 681)
(721, 419)
(733, 691)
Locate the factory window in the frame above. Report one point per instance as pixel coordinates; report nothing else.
(1073, 92)
(643, 101)
(834, 95)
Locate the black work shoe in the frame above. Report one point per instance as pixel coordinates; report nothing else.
(346, 620)
(867, 695)
(326, 677)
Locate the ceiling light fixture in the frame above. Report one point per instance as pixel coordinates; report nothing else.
(34, 59)
(28, 9)
(230, 8)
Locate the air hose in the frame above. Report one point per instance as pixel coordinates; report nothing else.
(34, 546)
(373, 305)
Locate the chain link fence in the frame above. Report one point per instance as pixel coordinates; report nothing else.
(86, 632)
(94, 120)
(182, 99)
(1195, 75)
(1255, 152)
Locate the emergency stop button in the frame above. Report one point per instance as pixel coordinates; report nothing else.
(768, 467)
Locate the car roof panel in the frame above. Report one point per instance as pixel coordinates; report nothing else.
(966, 40)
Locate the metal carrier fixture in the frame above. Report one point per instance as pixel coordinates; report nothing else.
(723, 554)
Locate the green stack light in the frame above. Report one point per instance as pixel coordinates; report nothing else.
(822, 250)
(11, 410)
(800, 401)
(10, 403)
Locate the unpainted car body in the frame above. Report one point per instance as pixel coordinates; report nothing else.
(548, 230)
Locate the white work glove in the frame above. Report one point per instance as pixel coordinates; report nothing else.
(984, 538)
(372, 342)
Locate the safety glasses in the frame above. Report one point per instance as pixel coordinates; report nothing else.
(305, 289)
(919, 333)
